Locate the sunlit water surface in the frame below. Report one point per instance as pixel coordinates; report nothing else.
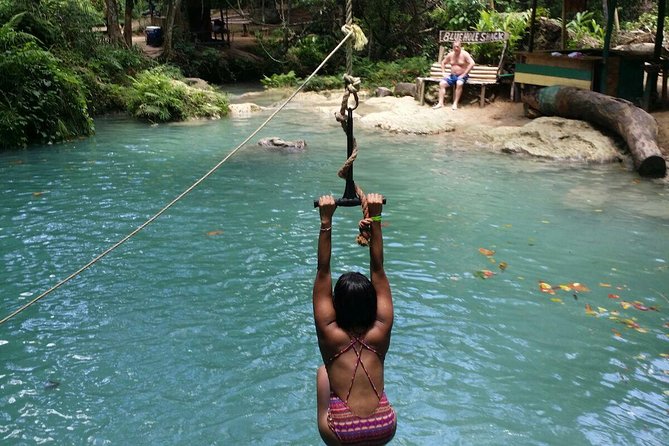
(199, 329)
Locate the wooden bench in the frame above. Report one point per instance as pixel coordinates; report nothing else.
(480, 75)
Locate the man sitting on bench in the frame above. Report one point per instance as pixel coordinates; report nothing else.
(461, 64)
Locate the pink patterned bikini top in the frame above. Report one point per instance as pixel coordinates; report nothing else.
(355, 341)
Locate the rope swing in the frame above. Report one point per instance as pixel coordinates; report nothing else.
(353, 194)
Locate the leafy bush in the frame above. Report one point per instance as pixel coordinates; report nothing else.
(307, 53)
(289, 79)
(156, 96)
(515, 23)
(585, 31)
(646, 22)
(42, 100)
(320, 83)
(388, 74)
(457, 15)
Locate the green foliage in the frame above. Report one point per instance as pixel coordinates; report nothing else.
(157, 96)
(307, 53)
(388, 74)
(585, 31)
(42, 100)
(205, 63)
(289, 79)
(62, 26)
(457, 15)
(515, 23)
(321, 83)
(647, 22)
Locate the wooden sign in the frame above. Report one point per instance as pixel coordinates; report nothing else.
(472, 36)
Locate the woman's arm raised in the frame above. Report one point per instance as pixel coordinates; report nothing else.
(384, 306)
(324, 312)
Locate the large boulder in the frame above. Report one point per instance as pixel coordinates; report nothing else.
(558, 139)
(405, 89)
(382, 92)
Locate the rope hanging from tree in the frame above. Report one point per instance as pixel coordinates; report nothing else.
(346, 113)
(345, 118)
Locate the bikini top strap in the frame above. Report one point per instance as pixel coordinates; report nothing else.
(359, 362)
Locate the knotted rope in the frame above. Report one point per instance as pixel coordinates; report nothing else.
(342, 117)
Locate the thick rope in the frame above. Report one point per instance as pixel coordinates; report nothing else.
(349, 46)
(342, 117)
(350, 33)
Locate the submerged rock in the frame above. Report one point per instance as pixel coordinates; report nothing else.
(278, 144)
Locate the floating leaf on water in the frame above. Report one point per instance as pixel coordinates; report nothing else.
(625, 304)
(38, 194)
(664, 355)
(631, 323)
(639, 306)
(503, 266)
(214, 233)
(546, 288)
(602, 309)
(556, 300)
(484, 274)
(486, 252)
(641, 330)
(613, 296)
(579, 287)
(589, 311)
(605, 285)
(616, 333)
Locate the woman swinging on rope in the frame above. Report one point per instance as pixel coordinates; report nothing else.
(353, 326)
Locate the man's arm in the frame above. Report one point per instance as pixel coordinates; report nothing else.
(470, 64)
(444, 61)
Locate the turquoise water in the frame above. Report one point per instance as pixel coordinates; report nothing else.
(198, 330)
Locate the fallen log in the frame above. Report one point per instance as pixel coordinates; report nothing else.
(634, 125)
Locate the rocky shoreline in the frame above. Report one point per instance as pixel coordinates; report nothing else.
(499, 127)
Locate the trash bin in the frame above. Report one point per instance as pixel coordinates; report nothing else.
(154, 35)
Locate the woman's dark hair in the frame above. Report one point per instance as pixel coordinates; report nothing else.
(354, 301)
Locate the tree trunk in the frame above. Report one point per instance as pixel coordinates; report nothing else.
(168, 32)
(633, 124)
(127, 22)
(113, 30)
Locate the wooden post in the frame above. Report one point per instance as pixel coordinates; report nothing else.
(533, 18)
(612, 4)
(564, 26)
